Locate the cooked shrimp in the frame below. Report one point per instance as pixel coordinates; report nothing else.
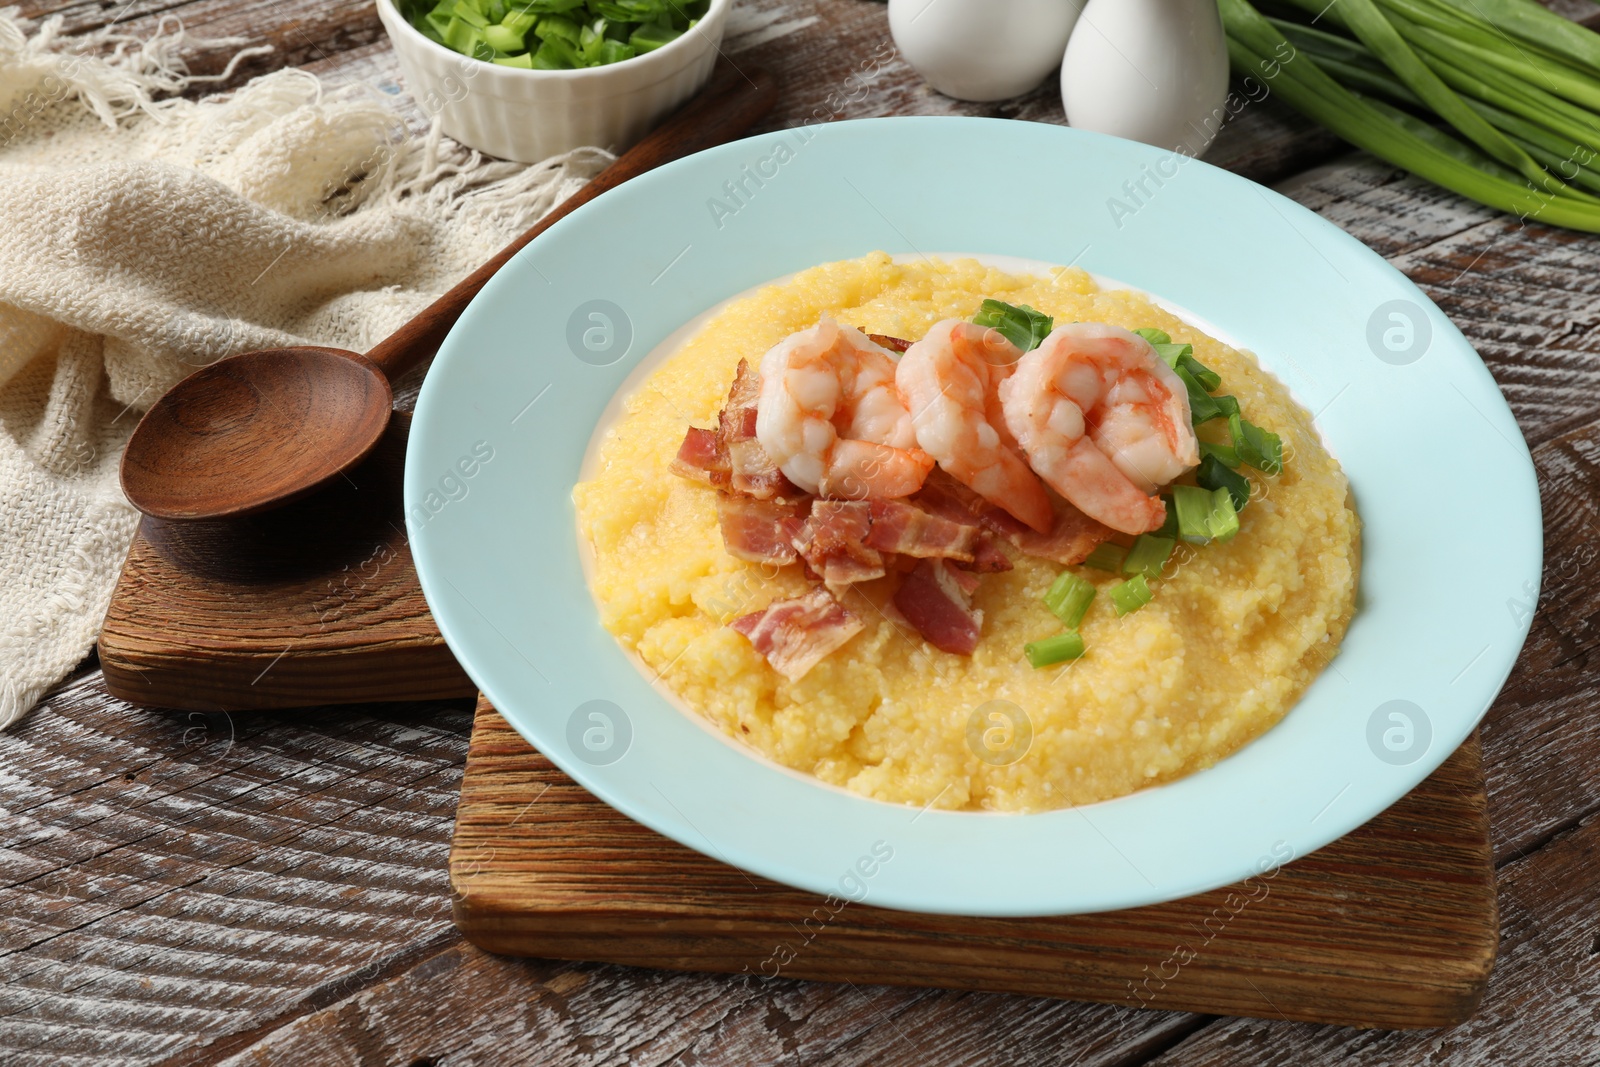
(948, 381)
(1103, 420)
(831, 420)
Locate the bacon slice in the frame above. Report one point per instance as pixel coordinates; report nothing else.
(1070, 541)
(910, 531)
(761, 531)
(794, 635)
(893, 344)
(730, 456)
(936, 599)
(701, 458)
(752, 470)
(833, 542)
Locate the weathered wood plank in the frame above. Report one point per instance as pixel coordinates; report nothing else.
(167, 878)
(467, 1007)
(1544, 1001)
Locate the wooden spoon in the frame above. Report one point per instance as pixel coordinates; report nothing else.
(256, 430)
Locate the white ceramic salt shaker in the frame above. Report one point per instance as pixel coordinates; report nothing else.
(1149, 70)
(982, 49)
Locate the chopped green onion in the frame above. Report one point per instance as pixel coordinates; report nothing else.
(1056, 649)
(1193, 505)
(1227, 455)
(558, 26)
(1209, 379)
(649, 37)
(469, 13)
(1148, 555)
(519, 21)
(1172, 355)
(1262, 449)
(1106, 557)
(1228, 405)
(1224, 517)
(553, 34)
(1154, 336)
(1202, 407)
(1068, 598)
(1214, 475)
(1169, 526)
(503, 39)
(1131, 595)
(1019, 323)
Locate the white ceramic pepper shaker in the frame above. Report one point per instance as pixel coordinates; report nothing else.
(1149, 70)
(982, 50)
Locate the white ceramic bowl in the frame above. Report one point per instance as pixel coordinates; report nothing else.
(528, 115)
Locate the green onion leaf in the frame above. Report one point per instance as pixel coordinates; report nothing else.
(1226, 455)
(1148, 555)
(1169, 527)
(653, 35)
(1068, 599)
(1057, 649)
(1259, 49)
(1154, 336)
(1131, 595)
(1202, 408)
(1193, 505)
(1260, 448)
(1224, 517)
(503, 39)
(1171, 354)
(1019, 323)
(1209, 379)
(1106, 556)
(1214, 475)
(1227, 405)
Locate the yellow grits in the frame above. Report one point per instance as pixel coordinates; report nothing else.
(1234, 634)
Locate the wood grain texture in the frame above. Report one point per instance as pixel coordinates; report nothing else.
(1543, 1007)
(317, 602)
(169, 878)
(539, 867)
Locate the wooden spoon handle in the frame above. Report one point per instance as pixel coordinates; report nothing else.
(729, 104)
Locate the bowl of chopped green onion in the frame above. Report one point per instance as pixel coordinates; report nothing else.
(528, 79)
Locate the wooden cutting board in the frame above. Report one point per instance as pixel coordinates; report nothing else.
(314, 603)
(1395, 925)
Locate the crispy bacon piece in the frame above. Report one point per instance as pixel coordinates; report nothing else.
(833, 542)
(947, 498)
(909, 530)
(1073, 537)
(794, 635)
(752, 470)
(730, 456)
(1070, 541)
(761, 531)
(701, 458)
(893, 344)
(936, 599)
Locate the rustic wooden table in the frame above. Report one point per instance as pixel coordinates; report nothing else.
(184, 888)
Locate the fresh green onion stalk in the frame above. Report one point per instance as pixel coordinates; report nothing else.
(1492, 99)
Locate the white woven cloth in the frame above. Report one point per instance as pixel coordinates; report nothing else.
(141, 237)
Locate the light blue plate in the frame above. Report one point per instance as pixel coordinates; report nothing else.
(1441, 476)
